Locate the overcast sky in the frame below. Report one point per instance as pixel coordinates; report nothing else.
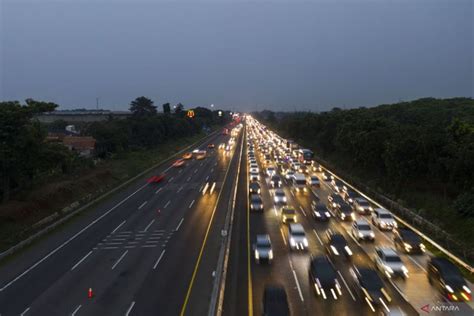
(280, 55)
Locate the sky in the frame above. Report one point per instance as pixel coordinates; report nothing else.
(237, 55)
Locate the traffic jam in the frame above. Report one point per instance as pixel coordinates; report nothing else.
(319, 245)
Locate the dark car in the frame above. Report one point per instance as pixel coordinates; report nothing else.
(256, 203)
(337, 185)
(349, 196)
(323, 278)
(408, 241)
(445, 276)
(335, 200)
(320, 211)
(325, 176)
(337, 246)
(372, 287)
(345, 212)
(254, 187)
(275, 302)
(275, 181)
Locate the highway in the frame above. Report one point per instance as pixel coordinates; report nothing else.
(150, 249)
(289, 269)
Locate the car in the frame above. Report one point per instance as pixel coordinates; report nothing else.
(361, 230)
(263, 249)
(211, 146)
(389, 263)
(289, 174)
(371, 287)
(201, 154)
(407, 240)
(337, 246)
(383, 219)
(325, 176)
(275, 181)
(320, 211)
(335, 200)
(252, 161)
(279, 196)
(297, 237)
(313, 181)
(349, 196)
(179, 163)
(221, 146)
(256, 203)
(156, 179)
(296, 166)
(271, 171)
(254, 167)
(275, 301)
(362, 206)
(344, 212)
(288, 214)
(187, 156)
(254, 187)
(316, 166)
(446, 277)
(337, 185)
(254, 176)
(323, 278)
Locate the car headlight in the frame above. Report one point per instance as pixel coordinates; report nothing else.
(261, 205)
(450, 289)
(270, 254)
(258, 191)
(353, 216)
(257, 255)
(317, 214)
(361, 235)
(372, 234)
(422, 247)
(360, 208)
(348, 250)
(405, 270)
(466, 289)
(343, 215)
(407, 246)
(388, 269)
(292, 241)
(305, 242)
(351, 200)
(327, 214)
(334, 250)
(251, 206)
(383, 224)
(395, 224)
(284, 199)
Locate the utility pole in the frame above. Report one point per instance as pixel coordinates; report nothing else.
(96, 103)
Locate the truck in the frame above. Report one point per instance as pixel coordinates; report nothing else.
(299, 182)
(291, 145)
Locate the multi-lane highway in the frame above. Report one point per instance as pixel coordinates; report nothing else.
(150, 249)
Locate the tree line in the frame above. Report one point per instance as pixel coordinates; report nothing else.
(26, 156)
(424, 145)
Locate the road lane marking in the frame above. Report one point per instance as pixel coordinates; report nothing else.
(215, 164)
(416, 262)
(130, 308)
(148, 226)
(179, 225)
(202, 163)
(80, 261)
(302, 210)
(398, 290)
(320, 241)
(195, 170)
(109, 248)
(167, 204)
(149, 246)
(347, 286)
(25, 311)
(212, 170)
(207, 178)
(189, 178)
(298, 285)
(191, 204)
(171, 179)
(159, 259)
(283, 236)
(143, 204)
(116, 228)
(292, 193)
(71, 239)
(158, 190)
(180, 188)
(76, 310)
(120, 259)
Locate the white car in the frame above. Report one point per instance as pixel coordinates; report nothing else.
(389, 263)
(383, 219)
(361, 230)
(271, 171)
(297, 237)
(254, 167)
(289, 174)
(254, 176)
(279, 196)
(313, 181)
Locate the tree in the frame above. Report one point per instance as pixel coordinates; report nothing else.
(142, 106)
(166, 108)
(179, 110)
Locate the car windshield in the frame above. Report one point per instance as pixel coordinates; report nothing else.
(393, 259)
(280, 193)
(298, 233)
(289, 211)
(370, 280)
(265, 243)
(386, 215)
(363, 203)
(408, 235)
(256, 199)
(338, 240)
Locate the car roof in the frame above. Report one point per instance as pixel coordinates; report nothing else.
(296, 227)
(362, 221)
(279, 190)
(388, 252)
(263, 238)
(381, 211)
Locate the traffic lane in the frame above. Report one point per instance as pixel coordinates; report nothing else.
(36, 280)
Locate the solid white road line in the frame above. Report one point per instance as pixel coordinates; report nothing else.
(418, 264)
(120, 259)
(76, 310)
(191, 204)
(167, 204)
(80, 261)
(283, 236)
(298, 285)
(148, 226)
(116, 228)
(320, 241)
(179, 225)
(143, 204)
(130, 308)
(347, 287)
(158, 190)
(302, 210)
(159, 259)
(71, 239)
(25, 311)
(180, 188)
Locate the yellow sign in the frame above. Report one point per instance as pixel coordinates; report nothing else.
(190, 113)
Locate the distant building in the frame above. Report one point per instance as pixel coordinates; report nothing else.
(72, 116)
(83, 145)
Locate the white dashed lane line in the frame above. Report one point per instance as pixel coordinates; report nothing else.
(119, 259)
(80, 261)
(143, 204)
(191, 204)
(179, 225)
(167, 204)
